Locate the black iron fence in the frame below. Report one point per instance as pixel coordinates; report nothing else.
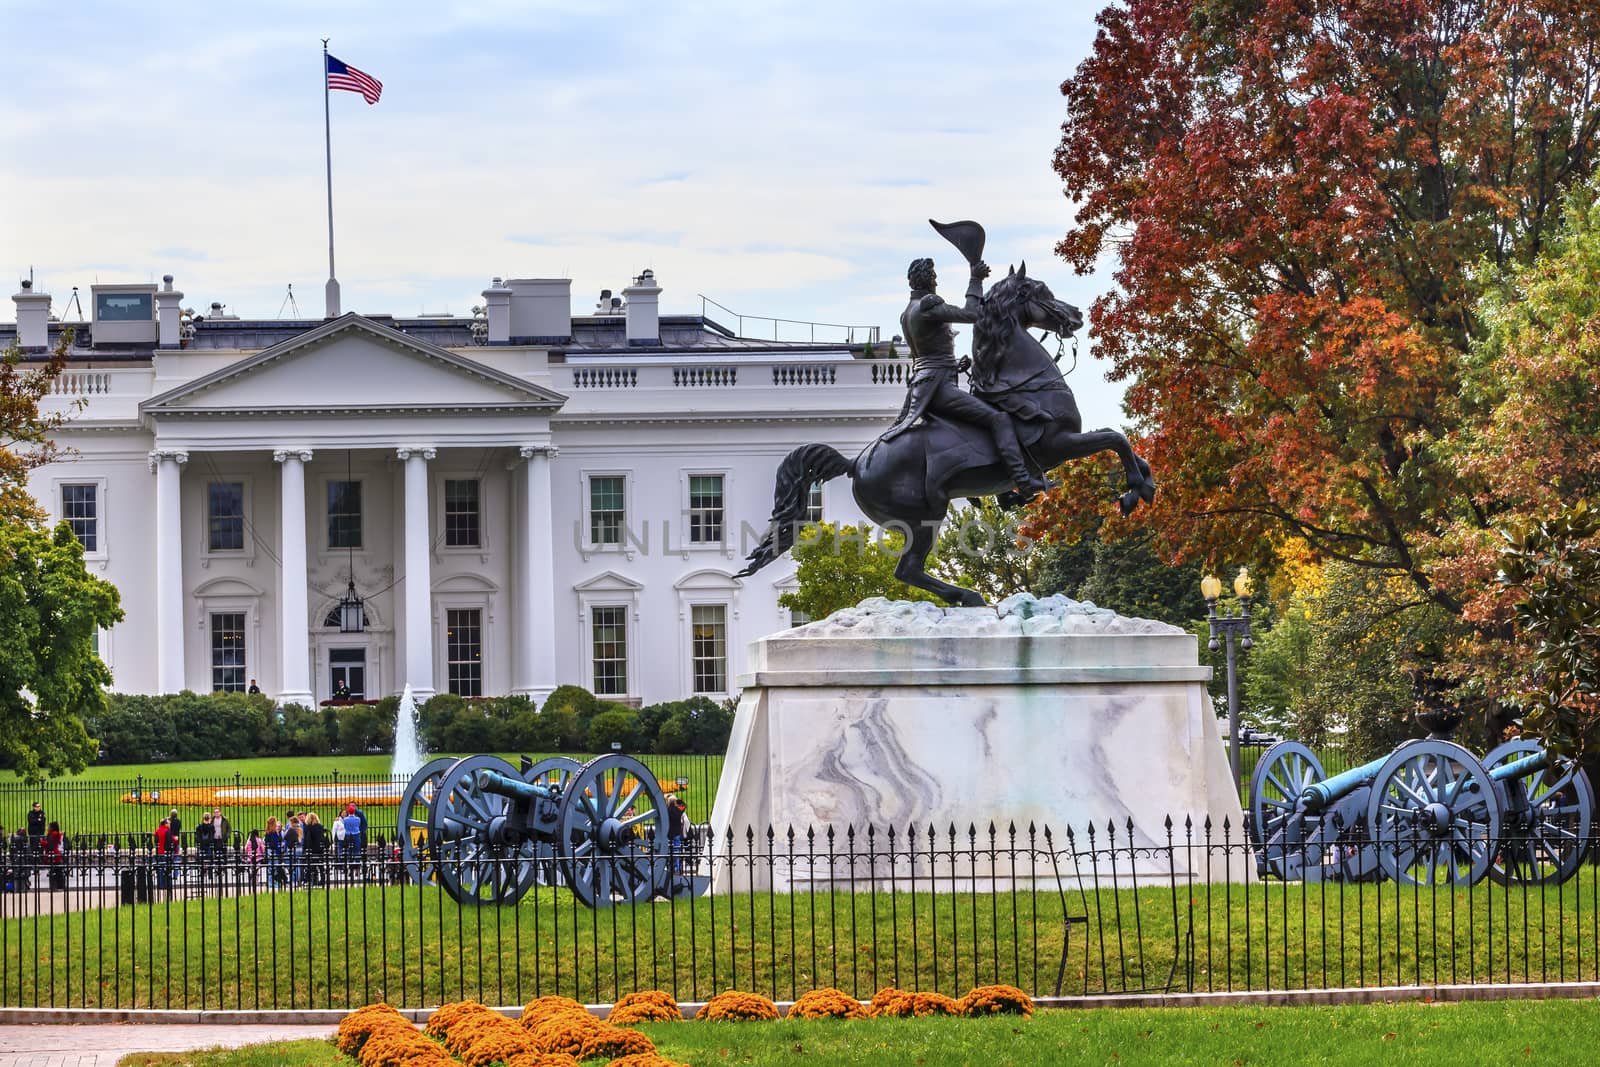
(1097, 910)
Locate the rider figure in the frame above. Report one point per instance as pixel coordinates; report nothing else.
(934, 387)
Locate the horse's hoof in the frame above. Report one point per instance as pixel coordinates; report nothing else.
(969, 599)
(1147, 491)
(1128, 501)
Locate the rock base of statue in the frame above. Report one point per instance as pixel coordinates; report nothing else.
(1036, 716)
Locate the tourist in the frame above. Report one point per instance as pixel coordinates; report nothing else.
(273, 842)
(20, 860)
(352, 833)
(36, 825)
(255, 850)
(341, 851)
(294, 845)
(676, 818)
(222, 830)
(254, 688)
(316, 849)
(55, 856)
(205, 844)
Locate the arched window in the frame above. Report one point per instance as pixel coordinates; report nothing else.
(333, 618)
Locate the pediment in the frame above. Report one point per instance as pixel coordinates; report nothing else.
(353, 365)
(706, 578)
(608, 582)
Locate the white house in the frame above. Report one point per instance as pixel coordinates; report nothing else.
(521, 500)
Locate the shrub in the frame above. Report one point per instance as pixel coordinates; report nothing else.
(613, 1041)
(474, 1028)
(735, 1006)
(448, 1015)
(649, 1006)
(645, 1059)
(565, 1032)
(542, 1059)
(827, 1004)
(537, 1011)
(498, 1046)
(358, 1026)
(996, 1000)
(895, 1003)
(612, 726)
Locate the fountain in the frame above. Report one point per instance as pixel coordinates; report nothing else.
(408, 754)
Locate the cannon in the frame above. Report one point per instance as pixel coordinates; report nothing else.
(1429, 813)
(488, 832)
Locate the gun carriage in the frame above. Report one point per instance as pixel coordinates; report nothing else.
(488, 832)
(1429, 813)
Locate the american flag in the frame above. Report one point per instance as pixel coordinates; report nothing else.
(342, 75)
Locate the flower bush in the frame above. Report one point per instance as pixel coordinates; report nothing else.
(476, 1027)
(613, 1041)
(648, 1006)
(996, 1000)
(827, 1004)
(537, 1011)
(565, 1032)
(355, 1028)
(542, 1059)
(447, 1015)
(498, 1046)
(735, 1006)
(645, 1059)
(895, 1003)
(402, 1046)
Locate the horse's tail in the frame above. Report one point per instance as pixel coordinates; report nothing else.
(799, 471)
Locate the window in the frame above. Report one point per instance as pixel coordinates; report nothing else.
(461, 513)
(344, 514)
(333, 621)
(227, 652)
(798, 618)
(710, 651)
(463, 651)
(80, 508)
(225, 516)
(124, 307)
(609, 627)
(813, 512)
(705, 509)
(606, 509)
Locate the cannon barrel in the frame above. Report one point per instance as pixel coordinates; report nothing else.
(1320, 795)
(1517, 768)
(506, 786)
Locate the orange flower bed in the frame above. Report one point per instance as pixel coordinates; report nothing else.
(476, 1027)
(402, 1046)
(648, 1006)
(734, 1006)
(565, 1032)
(894, 1003)
(498, 1046)
(319, 794)
(644, 1059)
(537, 1011)
(997, 1000)
(612, 1041)
(542, 1059)
(359, 1025)
(827, 1004)
(448, 1015)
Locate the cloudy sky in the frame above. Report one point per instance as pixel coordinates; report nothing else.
(781, 159)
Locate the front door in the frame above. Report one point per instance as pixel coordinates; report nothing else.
(348, 667)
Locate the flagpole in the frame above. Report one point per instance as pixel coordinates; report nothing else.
(331, 293)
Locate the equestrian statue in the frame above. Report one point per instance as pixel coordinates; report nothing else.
(1018, 420)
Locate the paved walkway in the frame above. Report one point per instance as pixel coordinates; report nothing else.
(102, 1046)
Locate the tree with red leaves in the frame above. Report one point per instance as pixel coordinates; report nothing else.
(1305, 199)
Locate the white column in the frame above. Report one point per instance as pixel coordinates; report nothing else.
(418, 659)
(167, 465)
(536, 592)
(294, 639)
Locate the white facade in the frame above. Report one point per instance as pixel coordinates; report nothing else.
(529, 509)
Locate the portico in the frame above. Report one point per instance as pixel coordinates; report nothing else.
(361, 487)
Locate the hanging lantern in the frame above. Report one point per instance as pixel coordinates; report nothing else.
(351, 612)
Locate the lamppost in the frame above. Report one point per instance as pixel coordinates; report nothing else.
(1227, 626)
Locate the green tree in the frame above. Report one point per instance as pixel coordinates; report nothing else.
(981, 548)
(50, 675)
(618, 726)
(25, 441)
(839, 566)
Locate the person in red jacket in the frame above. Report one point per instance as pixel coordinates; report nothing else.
(55, 856)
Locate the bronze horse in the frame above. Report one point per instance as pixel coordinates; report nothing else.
(908, 482)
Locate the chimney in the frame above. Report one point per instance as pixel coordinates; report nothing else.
(497, 309)
(644, 310)
(541, 311)
(33, 318)
(168, 314)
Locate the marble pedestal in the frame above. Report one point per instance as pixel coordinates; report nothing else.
(1042, 713)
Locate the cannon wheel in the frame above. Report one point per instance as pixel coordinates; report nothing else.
(416, 850)
(1545, 823)
(556, 772)
(1434, 815)
(1280, 775)
(475, 861)
(609, 854)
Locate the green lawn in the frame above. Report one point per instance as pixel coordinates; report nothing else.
(91, 802)
(1548, 1031)
(415, 947)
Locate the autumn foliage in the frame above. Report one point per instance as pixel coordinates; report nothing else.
(1305, 202)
